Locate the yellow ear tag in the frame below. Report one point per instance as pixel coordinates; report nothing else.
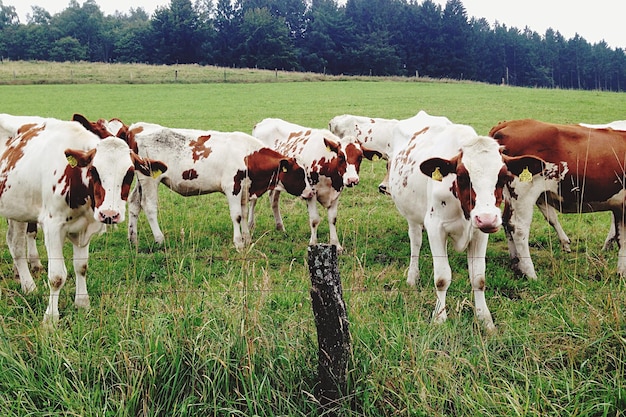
(284, 169)
(526, 176)
(437, 175)
(328, 149)
(72, 161)
(156, 173)
(375, 158)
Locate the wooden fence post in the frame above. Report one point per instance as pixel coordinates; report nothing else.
(331, 320)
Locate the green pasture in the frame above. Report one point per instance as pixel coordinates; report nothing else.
(197, 329)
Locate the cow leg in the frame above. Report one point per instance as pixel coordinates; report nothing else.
(134, 208)
(245, 230)
(81, 259)
(275, 202)
(332, 225)
(16, 240)
(620, 235)
(477, 273)
(314, 220)
(31, 248)
(610, 237)
(441, 271)
(251, 219)
(149, 191)
(234, 206)
(516, 224)
(57, 272)
(383, 187)
(415, 237)
(551, 215)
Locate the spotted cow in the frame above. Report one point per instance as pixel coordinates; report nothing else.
(202, 162)
(449, 180)
(71, 182)
(331, 164)
(584, 173)
(381, 135)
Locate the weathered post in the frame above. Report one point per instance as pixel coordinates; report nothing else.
(331, 320)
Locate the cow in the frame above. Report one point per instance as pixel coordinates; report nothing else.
(331, 164)
(11, 125)
(74, 184)
(206, 161)
(449, 180)
(584, 173)
(373, 132)
(380, 134)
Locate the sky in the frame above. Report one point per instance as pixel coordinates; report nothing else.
(595, 20)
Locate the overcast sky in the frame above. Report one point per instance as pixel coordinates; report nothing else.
(593, 20)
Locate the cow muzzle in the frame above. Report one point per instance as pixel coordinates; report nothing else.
(308, 194)
(351, 181)
(488, 223)
(109, 216)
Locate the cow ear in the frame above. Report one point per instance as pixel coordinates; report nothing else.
(148, 167)
(517, 165)
(284, 165)
(438, 168)
(331, 145)
(370, 154)
(78, 158)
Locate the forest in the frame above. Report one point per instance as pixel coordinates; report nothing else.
(407, 38)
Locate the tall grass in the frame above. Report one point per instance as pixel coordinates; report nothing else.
(195, 328)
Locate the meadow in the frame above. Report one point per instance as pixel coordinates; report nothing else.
(195, 328)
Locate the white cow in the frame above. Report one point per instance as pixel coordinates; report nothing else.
(205, 161)
(73, 184)
(10, 126)
(450, 180)
(374, 132)
(382, 135)
(330, 162)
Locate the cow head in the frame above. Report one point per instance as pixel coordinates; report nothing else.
(349, 157)
(480, 174)
(110, 169)
(293, 179)
(102, 128)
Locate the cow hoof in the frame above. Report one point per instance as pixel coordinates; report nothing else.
(28, 287)
(50, 321)
(439, 317)
(82, 301)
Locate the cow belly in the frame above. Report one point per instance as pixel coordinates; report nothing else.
(192, 187)
(12, 207)
(573, 205)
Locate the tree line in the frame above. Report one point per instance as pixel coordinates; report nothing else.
(359, 37)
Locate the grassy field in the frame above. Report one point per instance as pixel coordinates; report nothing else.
(196, 328)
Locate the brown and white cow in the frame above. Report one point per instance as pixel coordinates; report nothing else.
(73, 184)
(449, 180)
(374, 132)
(11, 125)
(331, 164)
(380, 135)
(205, 161)
(584, 173)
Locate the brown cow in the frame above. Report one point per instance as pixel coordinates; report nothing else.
(584, 173)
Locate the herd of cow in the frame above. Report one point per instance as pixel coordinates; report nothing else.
(73, 178)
